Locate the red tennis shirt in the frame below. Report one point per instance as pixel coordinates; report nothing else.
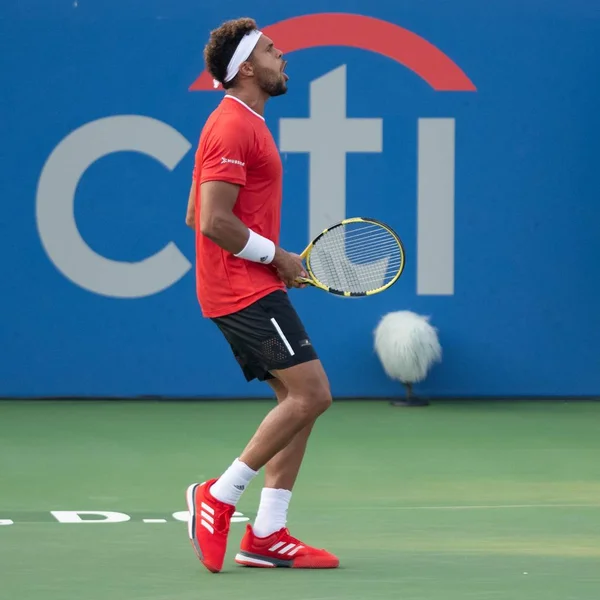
(236, 146)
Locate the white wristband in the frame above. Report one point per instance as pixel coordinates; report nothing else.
(257, 249)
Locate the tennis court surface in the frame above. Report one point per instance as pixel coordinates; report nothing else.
(482, 501)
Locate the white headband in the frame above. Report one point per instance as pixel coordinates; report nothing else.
(242, 52)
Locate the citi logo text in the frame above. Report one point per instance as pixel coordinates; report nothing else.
(327, 135)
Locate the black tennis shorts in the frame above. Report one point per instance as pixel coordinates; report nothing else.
(266, 336)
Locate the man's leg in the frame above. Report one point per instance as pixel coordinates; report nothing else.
(307, 398)
(280, 476)
(268, 543)
(282, 470)
(212, 503)
(268, 339)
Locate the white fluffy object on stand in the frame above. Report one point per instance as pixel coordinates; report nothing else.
(407, 346)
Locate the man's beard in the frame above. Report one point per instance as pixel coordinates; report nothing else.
(274, 86)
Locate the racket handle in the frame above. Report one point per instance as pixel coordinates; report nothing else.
(305, 280)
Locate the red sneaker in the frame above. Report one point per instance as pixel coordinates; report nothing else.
(282, 550)
(208, 526)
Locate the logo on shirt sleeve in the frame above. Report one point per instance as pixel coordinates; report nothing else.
(232, 161)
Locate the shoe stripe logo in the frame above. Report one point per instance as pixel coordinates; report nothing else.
(207, 526)
(290, 549)
(286, 549)
(276, 546)
(207, 508)
(207, 517)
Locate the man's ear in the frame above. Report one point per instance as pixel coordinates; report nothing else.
(247, 69)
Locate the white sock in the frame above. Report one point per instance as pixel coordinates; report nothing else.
(231, 485)
(272, 511)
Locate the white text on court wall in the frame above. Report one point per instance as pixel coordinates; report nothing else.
(327, 135)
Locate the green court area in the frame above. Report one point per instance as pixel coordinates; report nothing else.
(457, 501)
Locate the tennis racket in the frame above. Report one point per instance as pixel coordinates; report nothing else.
(356, 257)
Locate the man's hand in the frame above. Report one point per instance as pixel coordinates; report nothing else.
(289, 267)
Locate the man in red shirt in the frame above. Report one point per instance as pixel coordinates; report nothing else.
(242, 274)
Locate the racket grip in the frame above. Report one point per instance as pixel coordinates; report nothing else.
(304, 280)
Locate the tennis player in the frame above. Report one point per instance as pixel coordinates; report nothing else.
(242, 277)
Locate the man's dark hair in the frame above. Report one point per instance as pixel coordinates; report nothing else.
(222, 44)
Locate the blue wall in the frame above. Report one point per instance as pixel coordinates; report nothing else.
(519, 312)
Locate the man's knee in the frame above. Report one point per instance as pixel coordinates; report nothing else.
(324, 399)
(315, 391)
(316, 400)
(308, 386)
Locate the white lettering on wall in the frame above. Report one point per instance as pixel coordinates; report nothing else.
(327, 136)
(56, 200)
(435, 207)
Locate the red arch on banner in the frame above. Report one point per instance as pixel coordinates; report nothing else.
(367, 33)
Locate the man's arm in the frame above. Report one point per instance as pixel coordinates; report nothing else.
(220, 225)
(217, 221)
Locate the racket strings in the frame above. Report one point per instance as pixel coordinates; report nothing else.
(371, 241)
(366, 231)
(356, 257)
(371, 253)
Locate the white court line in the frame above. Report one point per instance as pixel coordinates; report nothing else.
(471, 507)
(155, 520)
